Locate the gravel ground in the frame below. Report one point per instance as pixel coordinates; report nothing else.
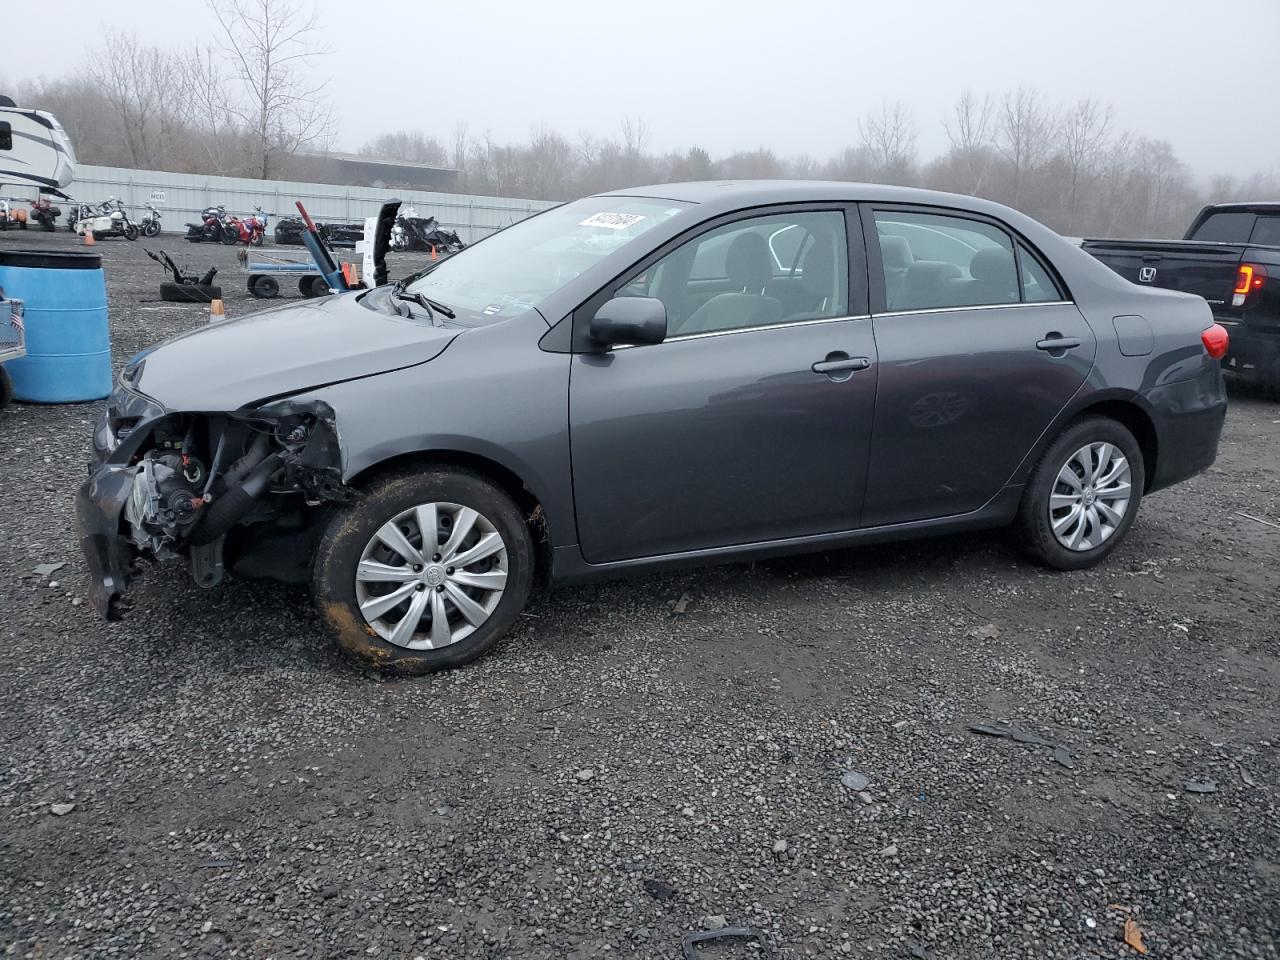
(619, 773)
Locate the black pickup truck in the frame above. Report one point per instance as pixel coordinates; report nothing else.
(1231, 257)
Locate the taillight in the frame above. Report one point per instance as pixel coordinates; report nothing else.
(1249, 279)
(1215, 340)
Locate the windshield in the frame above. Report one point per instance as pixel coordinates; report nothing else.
(519, 267)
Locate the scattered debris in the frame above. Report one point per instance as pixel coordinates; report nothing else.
(659, 890)
(920, 952)
(866, 798)
(900, 724)
(1248, 780)
(1250, 516)
(692, 940)
(855, 781)
(715, 922)
(679, 606)
(44, 569)
(206, 927)
(890, 851)
(780, 847)
(585, 774)
(1061, 754)
(1201, 786)
(988, 631)
(1133, 935)
(1091, 923)
(61, 809)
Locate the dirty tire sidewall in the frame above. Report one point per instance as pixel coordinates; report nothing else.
(1032, 528)
(351, 528)
(6, 388)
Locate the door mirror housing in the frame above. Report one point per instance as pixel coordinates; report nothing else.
(629, 320)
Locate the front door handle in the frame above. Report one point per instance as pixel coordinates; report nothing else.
(831, 365)
(1057, 343)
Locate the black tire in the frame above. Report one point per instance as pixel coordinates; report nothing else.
(151, 228)
(353, 526)
(1033, 527)
(264, 287)
(172, 292)
(230, 236)
(313, 286)
(131, 231)
(6, 388)
(257, 239)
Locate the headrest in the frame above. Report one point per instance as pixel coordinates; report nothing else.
(896, 252)
(931, 271)
(818, 268)
(747, 262)
(993, 264)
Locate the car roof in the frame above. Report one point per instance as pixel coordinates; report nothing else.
(746, 193)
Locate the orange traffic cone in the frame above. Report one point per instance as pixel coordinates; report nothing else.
(216, 309)
(88, 238)
(434, 254)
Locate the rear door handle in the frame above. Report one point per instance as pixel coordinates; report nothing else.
(835, 366)
(1056, 341)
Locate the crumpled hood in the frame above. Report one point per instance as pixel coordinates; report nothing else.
(282, 350)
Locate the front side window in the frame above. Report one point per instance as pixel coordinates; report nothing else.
(6, 135)
(780, 268)
(933, 261)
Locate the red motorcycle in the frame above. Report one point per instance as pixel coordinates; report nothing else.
(44, 212)
(249, 230)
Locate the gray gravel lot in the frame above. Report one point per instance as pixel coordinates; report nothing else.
(618, 772)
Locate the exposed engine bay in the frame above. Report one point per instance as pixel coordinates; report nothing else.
(237, 489)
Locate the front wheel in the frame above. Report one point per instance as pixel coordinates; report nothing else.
(257, 239)
(427, 571)
(1083, 495)
(151, 228)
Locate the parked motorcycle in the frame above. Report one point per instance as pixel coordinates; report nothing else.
(44, 212)
(212, 227)
(150, 224)
(77, 211)
(248, 230)
(110, 220)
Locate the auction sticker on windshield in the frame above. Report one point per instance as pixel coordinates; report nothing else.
(612, 221)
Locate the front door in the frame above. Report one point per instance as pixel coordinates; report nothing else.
(725, 434)
(979, 351)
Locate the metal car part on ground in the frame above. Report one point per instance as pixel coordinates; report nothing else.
(830, 365)
(185, 287)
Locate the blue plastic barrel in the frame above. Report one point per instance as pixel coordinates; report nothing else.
(68, 343)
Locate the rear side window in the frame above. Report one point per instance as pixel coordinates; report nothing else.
(1227, 227)
(6, 135)
(934, 261)
(1038, 285)
(1267, 231)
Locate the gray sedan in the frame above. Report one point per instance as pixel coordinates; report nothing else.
(651, 378)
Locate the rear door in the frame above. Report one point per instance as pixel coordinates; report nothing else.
(979, 350)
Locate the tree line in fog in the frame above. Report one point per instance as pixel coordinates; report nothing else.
(243, 107)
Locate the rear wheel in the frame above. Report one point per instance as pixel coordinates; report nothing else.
(425, 572)
(313, 286)
(1083, 496)
(131, 231)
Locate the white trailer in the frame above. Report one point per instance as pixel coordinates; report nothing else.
(34, 149)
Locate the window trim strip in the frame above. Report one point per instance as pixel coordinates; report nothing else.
(979, 306)
(784, 325)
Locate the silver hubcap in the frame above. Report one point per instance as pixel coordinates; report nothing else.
(431, 575)
(1090, 496)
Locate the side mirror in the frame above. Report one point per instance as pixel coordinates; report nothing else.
(630, 320)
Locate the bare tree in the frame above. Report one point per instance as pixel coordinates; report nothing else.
(969, 131)
(136, 81)
(889, 138)
(1083, 134)
(268, 44)
(204, 107)
(1022, 135)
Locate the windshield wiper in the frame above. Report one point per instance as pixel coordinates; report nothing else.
(431, 306)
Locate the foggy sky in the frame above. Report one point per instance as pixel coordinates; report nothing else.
(793, 75)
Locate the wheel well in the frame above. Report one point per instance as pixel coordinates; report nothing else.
(1135, 419)
(495, 473)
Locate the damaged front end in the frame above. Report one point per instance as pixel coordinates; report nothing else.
(238, 490)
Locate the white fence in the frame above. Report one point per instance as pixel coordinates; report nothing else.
(180, 197)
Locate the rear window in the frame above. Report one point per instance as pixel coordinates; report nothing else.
(1267, 231)
(1226, 227)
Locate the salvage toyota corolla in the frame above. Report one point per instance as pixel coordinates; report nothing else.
(656, 377)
